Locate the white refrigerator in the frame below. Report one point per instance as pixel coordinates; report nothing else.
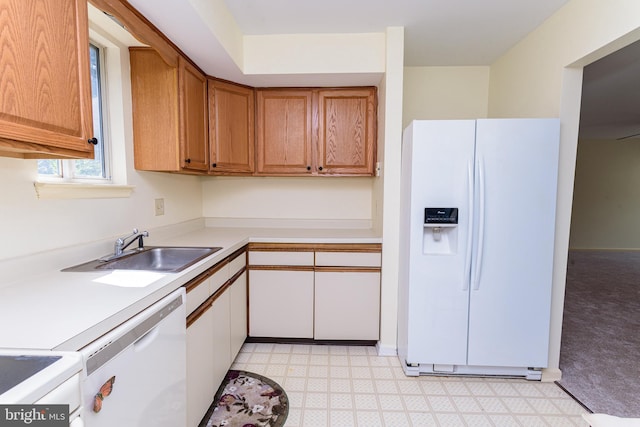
(477, 237)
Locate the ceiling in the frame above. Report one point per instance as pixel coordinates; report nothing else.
(610, 106)
(437, 33)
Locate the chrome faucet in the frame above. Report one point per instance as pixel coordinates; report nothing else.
(123, 243)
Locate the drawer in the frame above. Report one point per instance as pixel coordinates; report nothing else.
(349, 259)
(219, 278)
(280, 258)
(197, 295)
(237, 264)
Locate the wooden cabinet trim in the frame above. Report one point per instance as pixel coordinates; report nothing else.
(196, 281)
(281, 247)
(349, 247)
(324, 269)
(282, 267)
(141, 28)
(315, 247)
(239, 252)
(198, 312)
(236, 276)
(208, 303)
(226, 285)
(193, 283)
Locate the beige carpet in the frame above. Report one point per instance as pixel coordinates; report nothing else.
(600, 354)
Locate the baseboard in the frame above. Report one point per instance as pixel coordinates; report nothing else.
(386, 350)
(604, 249)
(550, 375)
(277, 340)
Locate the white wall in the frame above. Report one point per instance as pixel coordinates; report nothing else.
(433, 93)
(288, 198)
(29, 225)
(292, 54)
(606, 196)
(387, 189)
(541, 77)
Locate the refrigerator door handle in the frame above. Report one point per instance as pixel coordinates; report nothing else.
(481, 197)
(467, 258)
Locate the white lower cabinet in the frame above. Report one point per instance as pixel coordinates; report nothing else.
(216, 329)
(347, 305)
(221, 338)
(200, 371)
(322, 292)
(281, 303)
(238, 315)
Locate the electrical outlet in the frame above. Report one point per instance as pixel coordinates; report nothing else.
(159, 207)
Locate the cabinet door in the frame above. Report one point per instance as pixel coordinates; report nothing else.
(238, 303)
(284, 132)
(281, 303)
(221, 338)
(231, 128)
(46, 85)
(154, 95)
(194, 132)
(347, 305)
(346, 131)
(201, 385)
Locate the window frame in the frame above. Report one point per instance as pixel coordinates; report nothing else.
(67, 167)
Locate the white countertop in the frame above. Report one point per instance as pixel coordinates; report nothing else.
(67, 310)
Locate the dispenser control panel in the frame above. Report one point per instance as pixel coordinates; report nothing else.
(439, 217)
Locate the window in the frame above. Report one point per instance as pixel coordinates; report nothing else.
(96, 169)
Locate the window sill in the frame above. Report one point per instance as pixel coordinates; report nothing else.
(68, 190)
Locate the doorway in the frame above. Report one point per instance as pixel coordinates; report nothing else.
(600, 343)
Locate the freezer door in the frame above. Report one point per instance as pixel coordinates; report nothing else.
(516, 185)
(434, 292)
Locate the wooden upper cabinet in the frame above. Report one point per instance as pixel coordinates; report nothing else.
(231, 128)
(284, 132)
(45, 84)
(316, 131)
(346, 131)
(193, 118)
(169, 114)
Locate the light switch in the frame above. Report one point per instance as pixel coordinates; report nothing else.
(159, 207)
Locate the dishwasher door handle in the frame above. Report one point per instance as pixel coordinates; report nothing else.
(145, 340)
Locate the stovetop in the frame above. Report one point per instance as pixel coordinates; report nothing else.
(15, 369)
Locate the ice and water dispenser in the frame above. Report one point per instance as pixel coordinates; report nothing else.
(440, 231)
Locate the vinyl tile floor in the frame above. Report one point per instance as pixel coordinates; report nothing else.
(343, 386)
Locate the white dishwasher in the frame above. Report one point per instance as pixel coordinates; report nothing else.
(136, 373)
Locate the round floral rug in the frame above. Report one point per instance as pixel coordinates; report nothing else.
(246, 399)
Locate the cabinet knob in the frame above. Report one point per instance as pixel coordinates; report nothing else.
(93, 141)
(187, 161)
(308, 168)
(213, 165)
(320, 168)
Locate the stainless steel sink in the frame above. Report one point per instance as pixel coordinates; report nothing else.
(169, 259)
